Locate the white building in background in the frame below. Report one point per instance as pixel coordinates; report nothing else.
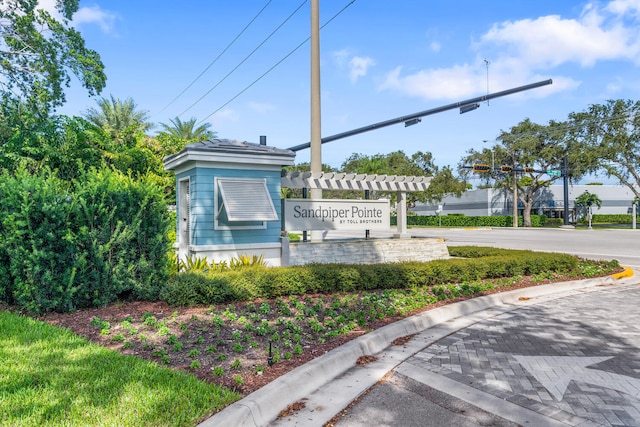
(549, 201)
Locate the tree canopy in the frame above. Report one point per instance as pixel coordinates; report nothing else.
(38, 55)
(608, 136)
(527, 144)
(419, 164)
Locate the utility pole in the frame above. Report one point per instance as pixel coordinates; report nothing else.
(565, 179)
(316, 138)
(515, 194)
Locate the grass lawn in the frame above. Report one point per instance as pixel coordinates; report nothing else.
(51, 377)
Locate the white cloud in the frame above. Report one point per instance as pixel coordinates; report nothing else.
(622, 7)
(550, 41)
(522, 51)
(261, 107)
(358, 67)
(49, 6)
(85, 15)
(435, 46)
(340, 57)
(227, 115)
(452, 82)
(95, 15)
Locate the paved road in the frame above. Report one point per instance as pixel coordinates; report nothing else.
(554, 355)
(571, 361)
(623, 245)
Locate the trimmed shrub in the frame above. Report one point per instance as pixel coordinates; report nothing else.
(81, 244)
(470, 264)
(610, 219)
(457, 220)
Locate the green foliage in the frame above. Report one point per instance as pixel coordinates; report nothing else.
(118, 117)
(398, 163)
(469, 221)
(526, 144)
(178, 134)
(612, 219)
(469, 264)
(80, 244)
(92, 385)
(64, 144)
(585, 200)
(607, 138)
(193, 263)
(39, 54)
(243, 261)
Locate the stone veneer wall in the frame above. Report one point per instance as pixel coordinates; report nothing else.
(373, 251)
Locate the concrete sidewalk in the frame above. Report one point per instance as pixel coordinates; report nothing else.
(331, 382)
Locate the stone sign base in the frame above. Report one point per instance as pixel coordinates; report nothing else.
(374, 251)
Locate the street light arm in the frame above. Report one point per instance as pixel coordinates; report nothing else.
(403, 119)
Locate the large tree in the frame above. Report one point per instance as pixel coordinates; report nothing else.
(530, 145)
(608, 136)
(419, 164)
(39, 53)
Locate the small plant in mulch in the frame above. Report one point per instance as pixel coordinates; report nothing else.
(218, 342)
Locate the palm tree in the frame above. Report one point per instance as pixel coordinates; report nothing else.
(116, 116)
(187, 131)
(585, 201)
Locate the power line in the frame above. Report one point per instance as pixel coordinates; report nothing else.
(218, 57)
(277, 63)
(246, 58)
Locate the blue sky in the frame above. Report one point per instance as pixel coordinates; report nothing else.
(379, 60)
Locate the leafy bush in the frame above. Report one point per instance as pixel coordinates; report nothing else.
(81, 244)
(554, 221)
(469, 264)
(459, 220)
(610, 219)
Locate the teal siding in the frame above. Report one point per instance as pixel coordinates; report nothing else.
(202, 207)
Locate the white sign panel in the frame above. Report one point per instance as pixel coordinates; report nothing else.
(336, 214)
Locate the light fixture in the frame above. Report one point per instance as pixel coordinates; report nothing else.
(469, 107)
(412, 122)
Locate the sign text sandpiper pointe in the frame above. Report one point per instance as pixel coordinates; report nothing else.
(335, 214)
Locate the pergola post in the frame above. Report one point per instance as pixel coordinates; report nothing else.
(401, 210)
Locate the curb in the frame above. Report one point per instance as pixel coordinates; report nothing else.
(628, 272)
(263, 406)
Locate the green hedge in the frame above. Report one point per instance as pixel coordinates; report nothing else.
(470, 264)
(469, 221)
(610, 219)
(81, 244)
